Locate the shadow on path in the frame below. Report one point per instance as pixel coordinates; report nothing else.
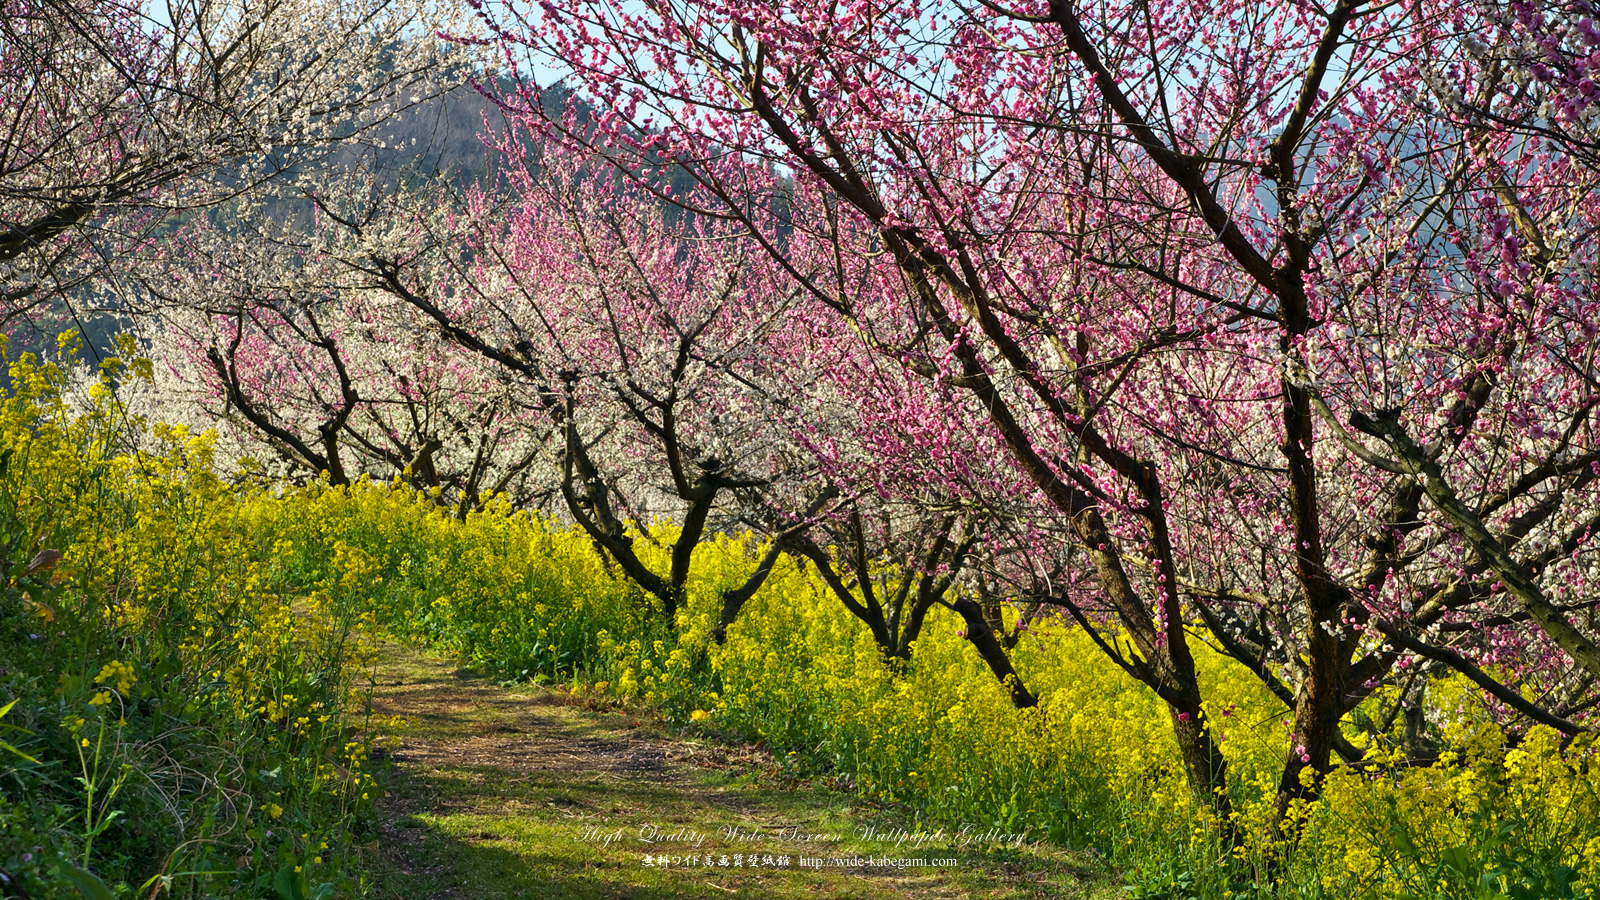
(500, 793)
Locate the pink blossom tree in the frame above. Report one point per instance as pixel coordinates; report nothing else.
(1528, 69)
(636, 339)
(1303, 366)
(262, 324)
(914, 504)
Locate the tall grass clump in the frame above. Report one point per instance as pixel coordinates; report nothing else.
(174, 721)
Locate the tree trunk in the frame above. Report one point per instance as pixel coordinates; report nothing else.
(733, 601)
(1206, 768)
(983, 640)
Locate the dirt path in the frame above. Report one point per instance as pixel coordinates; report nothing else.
(500, 793)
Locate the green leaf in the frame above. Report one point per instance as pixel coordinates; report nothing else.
(287, 884)
(5, 746)
(292, 885)
(88, 884)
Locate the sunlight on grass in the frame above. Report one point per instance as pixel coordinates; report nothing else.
(577, 820)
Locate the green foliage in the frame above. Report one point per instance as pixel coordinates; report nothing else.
(174, 722)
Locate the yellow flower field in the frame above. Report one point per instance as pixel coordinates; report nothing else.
(1094, 765)
(182, 682)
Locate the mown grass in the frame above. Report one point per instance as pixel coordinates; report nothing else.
(499, 792)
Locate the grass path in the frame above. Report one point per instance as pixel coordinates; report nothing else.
(531, 793)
